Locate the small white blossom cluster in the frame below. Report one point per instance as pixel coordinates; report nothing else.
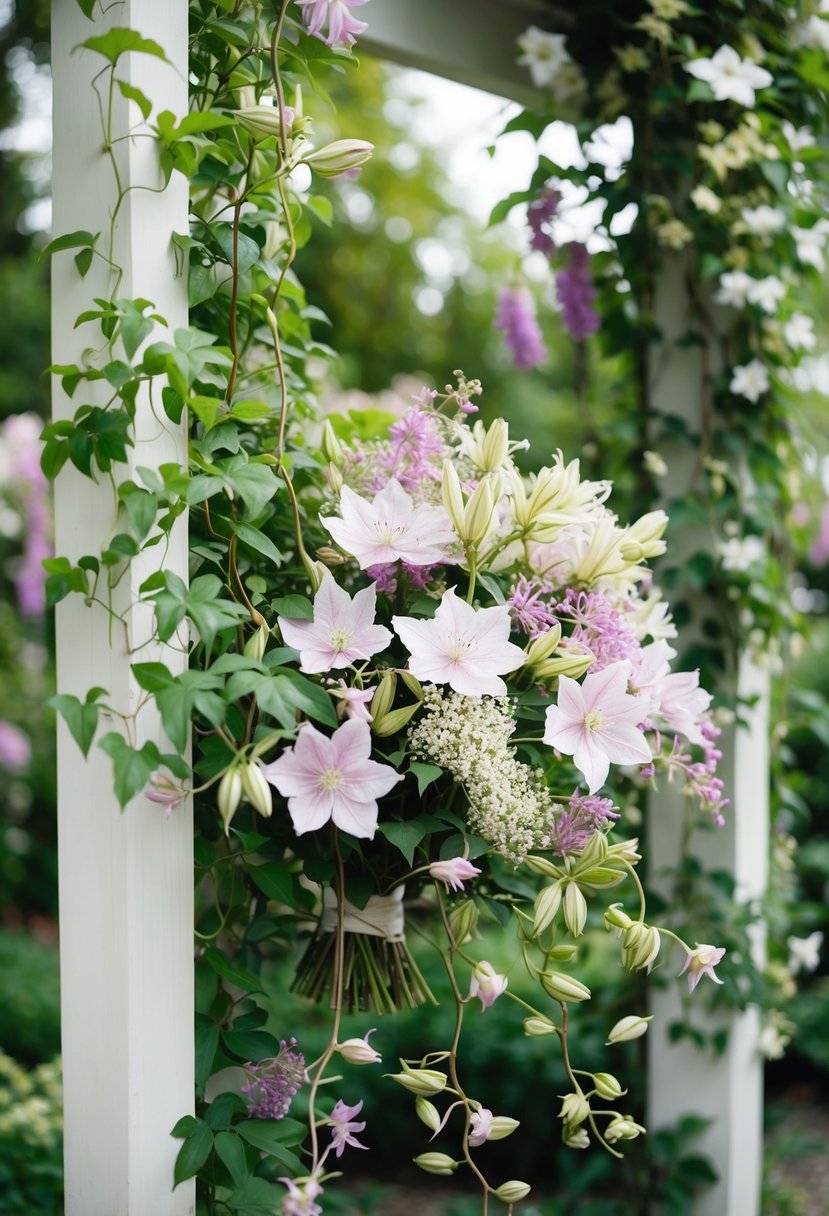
(509, 804)
(30, 1103)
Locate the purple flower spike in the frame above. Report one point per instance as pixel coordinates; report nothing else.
(576, 293)
(540, 214)
(272, 1083)
(516, 317)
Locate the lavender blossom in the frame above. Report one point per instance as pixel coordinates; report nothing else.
(15, 748)
(272, 1083)
(530, 612)
(20, 470)
(540, 213)
(572, 829)
(575, 293)
(600, 628)
(517, 318)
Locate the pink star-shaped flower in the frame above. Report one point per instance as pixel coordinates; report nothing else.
(332, 778)
(467, 648)
(343, 1127)
(342, 26)
(702, 961)
(596, 722)
(390, 528)
(341, 632)
(486, 984)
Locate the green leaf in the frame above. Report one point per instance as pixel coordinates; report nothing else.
(186, 1125)
(255, 484)
(303, 694)
(193, 1153)
(131, 93)
(80, 717)
(425, 774)
(79, 239)
(259, 542)
(119, 41)
(274, 880)
(247, 249)
(237, 975)
(201, 120)
(141, 507)
(405, 835)
(270, 1136)
(294, 607)
(131, 766)
(231, 1152)
(253, 1045)
(257, 1197)
(219, 1114)
(207, 1040)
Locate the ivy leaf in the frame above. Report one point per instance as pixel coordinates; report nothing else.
(231, 1152)
(131, 766)
(405, 835)
(79, 239)
(425, 774)
(131, 93)
(237, 975)
(80, 716)
(259, 542)
(207, 1040)
(202, 603)
(119, 41)
(255, 484)
(294, 607)
(193, 1153)
(86, 7)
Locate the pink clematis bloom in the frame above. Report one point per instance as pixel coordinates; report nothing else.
(300, 1200)
(453, 872)
(596, 722)
(390, 528)
(162, 789)
(480, 1127)
(486, 984)
(332, 778)
(341, 632)
(700, 962)
(467, 649)
(342, 26)
(343, 1127)
(353, 702)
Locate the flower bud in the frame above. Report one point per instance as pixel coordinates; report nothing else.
(643, 539)
(486, 984)
(622, 1127)
(626, 850)
(577, 1138)
(477, 514)
(562, 954)
(422, 1082)
(542, 866)
(256, 643)
(542, 647)
(255, 788)
(463, 921)
(616, 918)
(332, 449)
(495, 446)
(502, 1126)
(563, 987)
(575, 909)
(339, 156)
(512, 1192)
(600, 876)
(629, 1028)
(229, 796)
(428, 1114)
(574, 1109)
(359, 1051)
(316, 572)
(537, 1027)
(547, 904)
(571, 664)
(452, 495)
(334, 478)
(593, 853)
(264, 122)
(607, 1086)
(641, 946)
(436, 1163)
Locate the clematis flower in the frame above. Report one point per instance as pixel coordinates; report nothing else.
(486, 984)
(162, 789)
(353, 702)
(342, 630)
(702, 961)
(596, 722)
(332, 778)
(302, 1192)
(750, 381)
(454, 872)
(343, 1127)
(799, 332)
(804, 952)
(543, 53)
(342, 26)
(467, 649)
(390, 528)
(730, 77)
(734, 288)
(480, 1127)
(360, 1051)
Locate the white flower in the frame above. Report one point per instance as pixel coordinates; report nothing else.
(799, 332)
(750, 381)
(543, 54)
(730, 77)
(704, 199)
(734, 288)
(772, 1042)
(815, 33)
(810, 243)
(739, 553)
(766, 293)
(389, 528)
(798, 138)
(342, 630)
(804, 952)
(654, 463)
(763, 220)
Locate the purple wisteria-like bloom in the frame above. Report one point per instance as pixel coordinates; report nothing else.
(417, 448)
(576, 294)
(343, 27)
(271, 1084)
(20, 469)
(517, 318)
(540, 214)
(571, 830)
(600, 627)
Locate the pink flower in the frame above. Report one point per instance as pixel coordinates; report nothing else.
(454, 872)
(467, 649)
(343, 1127)
(360, 1051)
(342, 27)
(332, 778)
(353, 702)
(596, 722)
(300, 1198)
(390, 528)
(163, 790)
(517, 318)
(675, 697)
(700, 962)
(486, 984)
(15, 748)
(341, 632)
(481, 1125)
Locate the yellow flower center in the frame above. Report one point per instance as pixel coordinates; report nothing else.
(339, 638)
(330, 780)
(593, 719)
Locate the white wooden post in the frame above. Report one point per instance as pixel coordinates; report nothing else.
(726, 1089)
(125, 879)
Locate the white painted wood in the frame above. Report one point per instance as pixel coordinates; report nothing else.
(125, 879)
(726, 1089)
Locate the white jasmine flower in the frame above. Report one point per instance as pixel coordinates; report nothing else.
(810, 244)
(543, 54)
(798, 138)
(739, 553)
(704, 199)
(815, 33)
(799, 332)
(751, 381)
(804, 952)
(766, 293)
(730, 77)
(654, 463)
(673, 234)
(763, 220)
(773, 1042)
(734, 288)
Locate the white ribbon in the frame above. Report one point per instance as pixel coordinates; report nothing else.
(381, 917)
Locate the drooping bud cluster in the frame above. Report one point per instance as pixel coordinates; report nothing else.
(271, 1084)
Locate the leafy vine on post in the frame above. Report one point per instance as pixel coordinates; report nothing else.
(409, 665)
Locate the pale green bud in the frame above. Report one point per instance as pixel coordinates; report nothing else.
(261, 121)
(572, 665)
(463, 921)
(563, 987)
(542, 647)
(607, 1086)
(577, 1138)
(641, 946)
(382, 700)
(547, 904)
(339, 156)
(256, 644)
(622, 1127)
(477, 515)
(593, 853)
(422, 1082)
(615, 918)
(643, 539)
(512, 1191)
(334, 478)
(428, 1114)
(452, 494)
(537, 1027)
(629, 1028)
(575, 909)
(600, 876)
(495, 446)
(542, 866)
(332, 449)
(436, 1163)
(561, 954)
(501, 1127)
(229, 796)
(255, 788)
(574, 1109)
(626, 850)
(316, 572)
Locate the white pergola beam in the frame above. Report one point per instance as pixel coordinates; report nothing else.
(126, 907)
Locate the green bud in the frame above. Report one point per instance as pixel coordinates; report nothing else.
(623, 1127)
(563, 987)
(256, 643)
(452, 495)
(629, 1028)
(615, 918)
(394, 720)
(543, 646)
(255, 788)
(436, 1163)
(382, 700)
(601, 876)
(607, 1086)
(495, 446)
(463, 921)
(572, 665)
(477, 514)
(501, 1127)
(332, 449)
(641, 946)
(574, 1109)
(229, 796)
(547, 904)
(538, 1027)
(512, 1192)
(593, 852)
(422, 1082)
(626, 850)
(261, 121)
(575, 909)
(542, 866)
(339, 156)
(561, 954)
(428, 1114)
(575, 1137)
